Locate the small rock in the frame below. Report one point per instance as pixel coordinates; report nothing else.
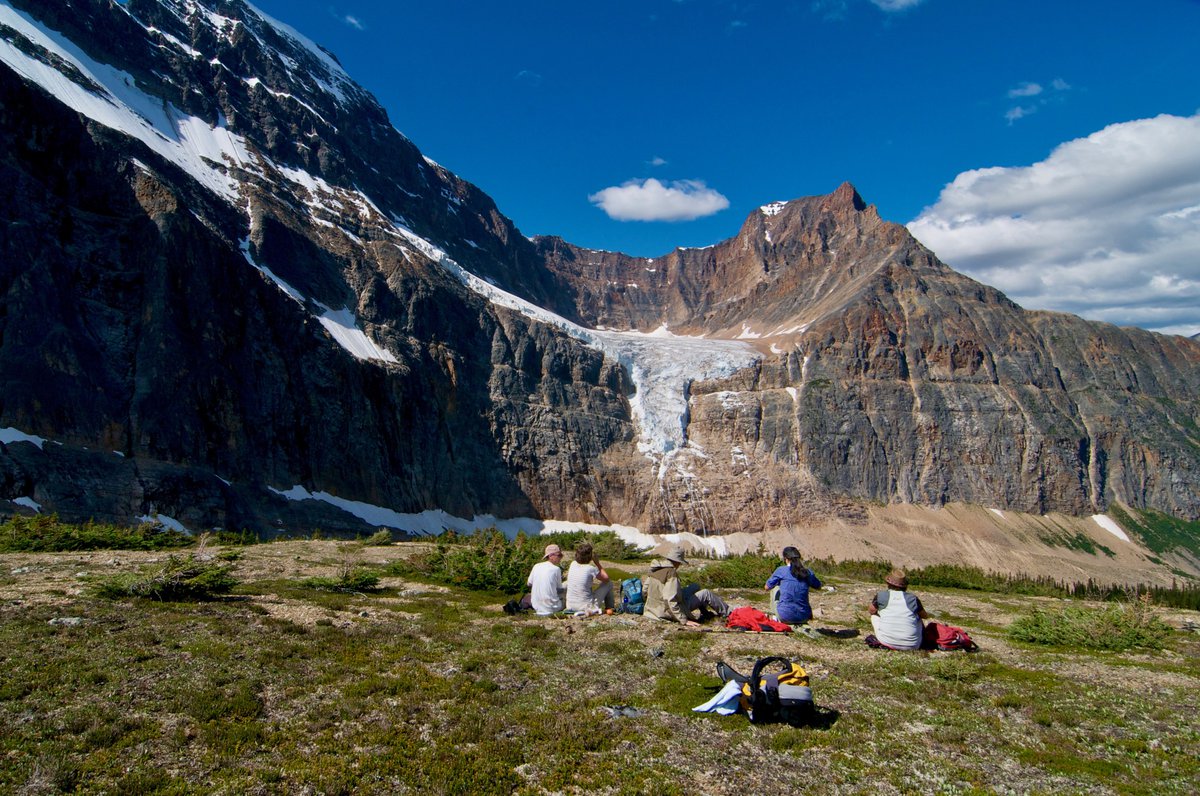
(22, 570)
(830, 588)
(621, 711)
(68, 621)
(656, 652)
(364, 613)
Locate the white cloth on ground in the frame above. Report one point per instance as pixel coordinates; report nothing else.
(725, 702)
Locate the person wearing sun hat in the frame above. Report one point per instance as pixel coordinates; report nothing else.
(545, 583)
(896, 615)
(667, 601)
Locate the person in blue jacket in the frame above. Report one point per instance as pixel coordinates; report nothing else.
(793, 581)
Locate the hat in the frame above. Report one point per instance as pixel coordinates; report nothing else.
(675, 554)
(897, 578)
(552, 550)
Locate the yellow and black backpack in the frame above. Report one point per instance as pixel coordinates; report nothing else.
(783, 696)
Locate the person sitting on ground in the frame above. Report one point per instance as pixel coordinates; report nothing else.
(789, 585)
(545, 583)
(896, 615)
(667, 601)
(589, 588)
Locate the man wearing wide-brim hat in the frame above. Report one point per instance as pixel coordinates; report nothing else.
(667, 601)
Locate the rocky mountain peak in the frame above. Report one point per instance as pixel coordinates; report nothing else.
(235, 295)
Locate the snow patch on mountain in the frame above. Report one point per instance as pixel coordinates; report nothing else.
(110, 97)
(342, 324)
(435, 522)
(11, 435)
(169, 523)
(1108, 524)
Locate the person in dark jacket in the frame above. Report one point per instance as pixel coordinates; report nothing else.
(793, 581)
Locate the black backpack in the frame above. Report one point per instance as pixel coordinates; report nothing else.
(783, 696)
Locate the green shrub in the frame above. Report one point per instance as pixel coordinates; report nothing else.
(485, 562)
(748, 571)
(1112, 626)
(181, 578)
(45, 534)
(488, 561)
(606, 546)
(380, 538)
(350, 580)
(242, 538)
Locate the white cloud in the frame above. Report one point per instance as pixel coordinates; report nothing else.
(830, 10)
(1107, 226)
(1019, 112)
(657, 161)
(354, 22)
(1025, 90)
(651, 200)
(1029, 90)
(896, 5)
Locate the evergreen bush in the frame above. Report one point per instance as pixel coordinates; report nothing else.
(182, 578)
(1112, 626)
(45, 534)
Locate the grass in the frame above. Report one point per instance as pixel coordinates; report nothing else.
(278, 688)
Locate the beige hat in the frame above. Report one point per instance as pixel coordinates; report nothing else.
(675, 554)
(897, 578)
(552, 550)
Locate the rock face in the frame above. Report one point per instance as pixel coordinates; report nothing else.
(887, 377)
(251, 282)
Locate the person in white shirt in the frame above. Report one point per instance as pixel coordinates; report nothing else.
(545, 583)
(589, 588)
(896, 615)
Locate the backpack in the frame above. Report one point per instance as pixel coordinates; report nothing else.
(779, 696)
(518, 605)
(947, 638)
(633, 599)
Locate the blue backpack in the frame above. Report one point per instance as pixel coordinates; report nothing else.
(633, 600)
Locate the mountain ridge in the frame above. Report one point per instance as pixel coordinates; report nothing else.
(280, 297)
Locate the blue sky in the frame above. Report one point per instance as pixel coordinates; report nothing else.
(642, 125)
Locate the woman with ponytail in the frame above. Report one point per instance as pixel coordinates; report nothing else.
(793, 581)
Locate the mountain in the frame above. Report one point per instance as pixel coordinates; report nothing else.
(232, 294)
